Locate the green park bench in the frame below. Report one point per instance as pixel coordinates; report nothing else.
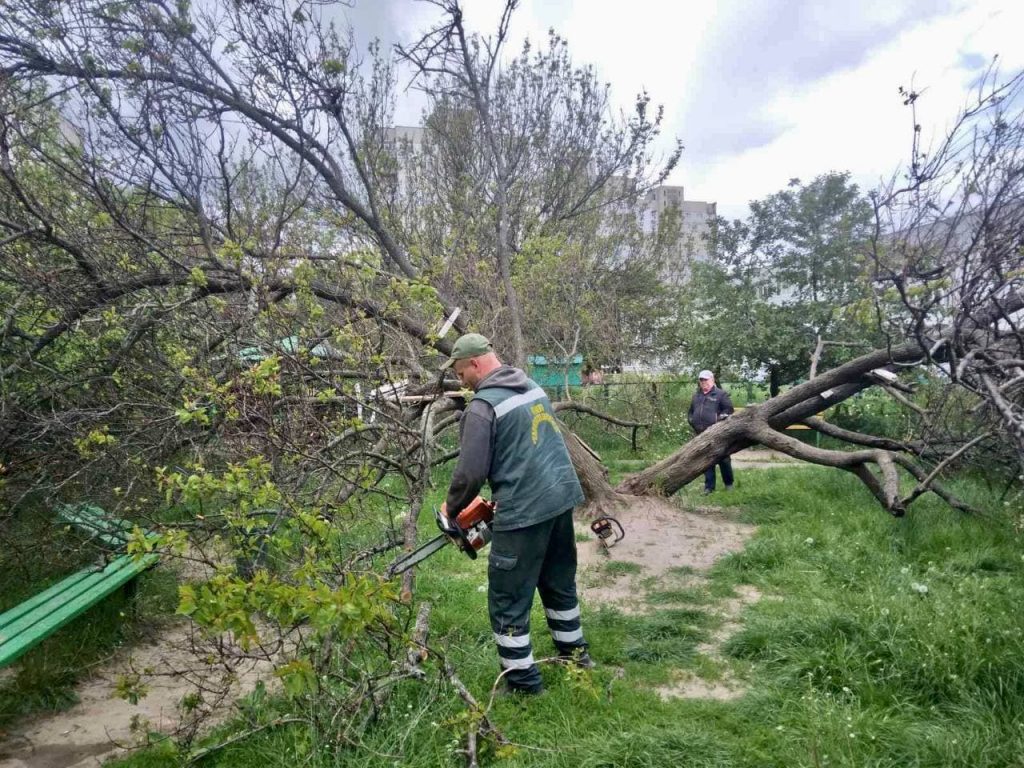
(26, 625)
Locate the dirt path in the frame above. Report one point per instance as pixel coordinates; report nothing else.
(763, 458)
(660, 537)
(748, 458)
(169, 665)
(102, 725)
(668, 548)
(85, 734)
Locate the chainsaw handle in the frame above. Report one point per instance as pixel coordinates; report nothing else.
(454, 531)
(479, 510)
(445, 523)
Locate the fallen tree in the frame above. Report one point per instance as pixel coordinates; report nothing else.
(207, 285)
(763, 425)
(947, 263)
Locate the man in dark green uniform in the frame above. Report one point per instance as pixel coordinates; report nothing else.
(509, 438)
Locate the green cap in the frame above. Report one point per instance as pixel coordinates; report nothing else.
(466, 346)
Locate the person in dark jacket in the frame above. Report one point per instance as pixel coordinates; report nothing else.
(509, 439)
(710, 405)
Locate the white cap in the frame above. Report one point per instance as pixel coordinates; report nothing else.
(705, 374)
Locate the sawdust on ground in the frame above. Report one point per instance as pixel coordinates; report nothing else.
(667, 547)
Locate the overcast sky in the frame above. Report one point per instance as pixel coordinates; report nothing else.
(761, 91)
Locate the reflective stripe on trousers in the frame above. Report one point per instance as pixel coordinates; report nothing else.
(538, 558)
(565, 628)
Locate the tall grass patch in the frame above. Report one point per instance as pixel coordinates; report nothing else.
(900, 638)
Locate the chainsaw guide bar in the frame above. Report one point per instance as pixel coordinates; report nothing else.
(470, 531)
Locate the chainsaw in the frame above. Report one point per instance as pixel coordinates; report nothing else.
(607, 535)
(470, 531)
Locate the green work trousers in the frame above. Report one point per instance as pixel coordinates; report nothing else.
(539, 557)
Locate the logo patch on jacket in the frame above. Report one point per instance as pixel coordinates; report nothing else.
(539, 416)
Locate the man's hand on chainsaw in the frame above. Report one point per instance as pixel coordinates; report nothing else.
(448, 522)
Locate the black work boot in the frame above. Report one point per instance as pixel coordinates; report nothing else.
(514, 690)
(579, 659)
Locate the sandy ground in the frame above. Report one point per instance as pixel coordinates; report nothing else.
(669, 548)
(763, 458)
(687, 685)
(749, 458)
(660, 537)
(102, 725)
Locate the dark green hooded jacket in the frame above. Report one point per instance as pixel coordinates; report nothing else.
(509, 438)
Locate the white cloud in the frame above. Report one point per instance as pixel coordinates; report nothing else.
(849, 119)
(643, 44)
(854, 120)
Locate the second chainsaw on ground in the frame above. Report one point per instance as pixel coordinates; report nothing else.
(470, 531)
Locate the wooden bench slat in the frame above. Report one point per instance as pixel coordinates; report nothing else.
(113, 579)
(94, 521)
(9, 616)
(113, 541)
(26, 625)
(90, 518)
(71, 587)
(97, 518)
(115, 575)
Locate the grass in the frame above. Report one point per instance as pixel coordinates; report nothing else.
(616, 568)
(879, 642)
(691, 595)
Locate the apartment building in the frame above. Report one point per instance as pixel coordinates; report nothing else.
(696, 219)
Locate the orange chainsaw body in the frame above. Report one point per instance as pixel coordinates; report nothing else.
(471, 530)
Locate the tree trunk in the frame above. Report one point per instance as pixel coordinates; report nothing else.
(773, 381)
(593, 477)
(505, 272)
(689, 462)
(741, 430)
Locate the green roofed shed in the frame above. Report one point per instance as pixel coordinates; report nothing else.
(553, 372)
(289, 345)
